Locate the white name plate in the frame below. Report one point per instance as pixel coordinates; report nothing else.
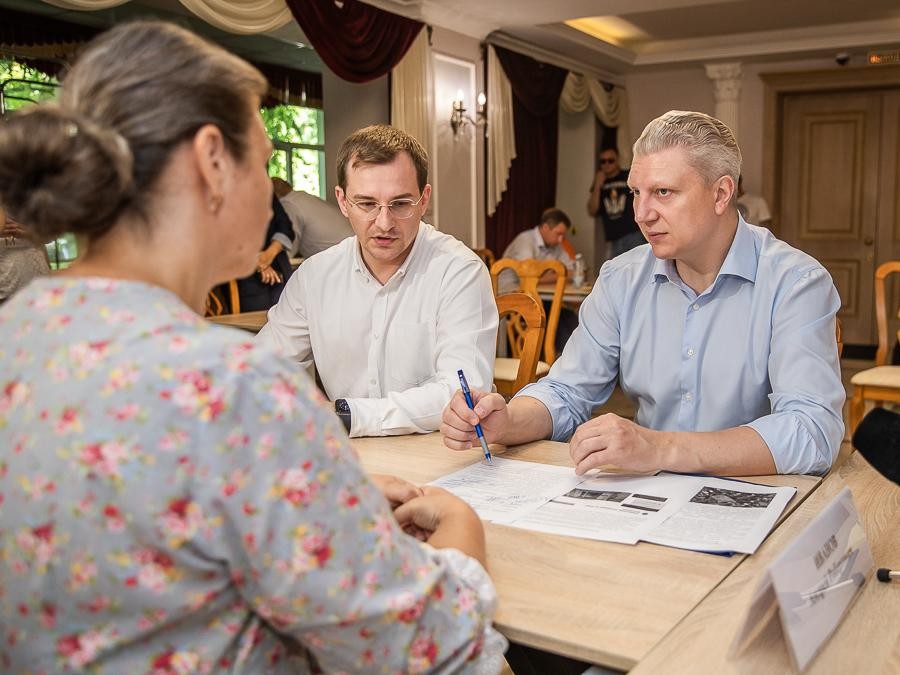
(812, 581)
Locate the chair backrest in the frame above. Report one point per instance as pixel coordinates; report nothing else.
(487, 255)
(881, 311)
(526, 315)
(529, 273)
(223, 299)
(839, 336)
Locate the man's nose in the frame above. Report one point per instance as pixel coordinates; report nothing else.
(642, 211)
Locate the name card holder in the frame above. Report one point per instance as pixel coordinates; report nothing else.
(812, 582)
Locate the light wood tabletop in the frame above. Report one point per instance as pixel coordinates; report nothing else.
(600, 602)
(572, 294)
(866, 641)
(251, 321)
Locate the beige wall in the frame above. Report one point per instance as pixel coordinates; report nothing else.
(348, 107)
(574, 172)
(651, 94)
(459, 166)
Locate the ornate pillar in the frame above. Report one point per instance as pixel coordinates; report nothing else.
(726, 78)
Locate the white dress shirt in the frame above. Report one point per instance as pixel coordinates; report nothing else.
(391, 351)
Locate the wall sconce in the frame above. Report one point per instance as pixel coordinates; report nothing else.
(459, 117)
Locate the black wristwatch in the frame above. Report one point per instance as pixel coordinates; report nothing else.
(342, 408)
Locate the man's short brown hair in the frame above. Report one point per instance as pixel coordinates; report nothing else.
(380, 144)
(554, 217)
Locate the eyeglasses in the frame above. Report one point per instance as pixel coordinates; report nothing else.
(399, 208)
(607, 160)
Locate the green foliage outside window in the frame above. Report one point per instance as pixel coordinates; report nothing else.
(299, 139)
(18, 94)
(41, 87)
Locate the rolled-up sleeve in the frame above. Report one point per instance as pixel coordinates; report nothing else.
(805, 428)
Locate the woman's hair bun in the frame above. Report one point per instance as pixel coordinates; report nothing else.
(62, 173)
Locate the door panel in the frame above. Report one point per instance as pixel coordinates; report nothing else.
(887, 243)
(829, 193)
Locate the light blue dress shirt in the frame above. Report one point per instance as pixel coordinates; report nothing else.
(756, 348)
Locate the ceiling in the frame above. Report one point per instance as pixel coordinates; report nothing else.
(621, 36)
(609, 38)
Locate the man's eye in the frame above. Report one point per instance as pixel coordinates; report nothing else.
(367, 206)
(662, 192)
(401, 203)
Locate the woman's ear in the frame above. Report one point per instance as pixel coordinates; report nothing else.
(213, 164)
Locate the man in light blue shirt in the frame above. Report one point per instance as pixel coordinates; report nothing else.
(723, 335)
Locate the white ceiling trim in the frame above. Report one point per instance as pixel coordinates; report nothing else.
(770, 43)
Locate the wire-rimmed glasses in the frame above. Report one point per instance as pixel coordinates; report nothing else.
(398, 208)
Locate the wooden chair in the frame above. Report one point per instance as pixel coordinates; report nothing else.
(529, 273)
(217, 298)
(881, 383)
(487, 255)
(525, 317)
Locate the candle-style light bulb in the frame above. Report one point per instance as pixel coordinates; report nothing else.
(482, 99)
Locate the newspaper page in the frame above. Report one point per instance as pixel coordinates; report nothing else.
(722, 515)
(606, 507)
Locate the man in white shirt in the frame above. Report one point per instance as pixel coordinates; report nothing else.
(317, 224)
(543, 242)
(753, 208)
(388, 316)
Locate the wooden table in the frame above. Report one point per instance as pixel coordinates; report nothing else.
(866, 641)
(251, 321)
(595, 601)
(572, 294)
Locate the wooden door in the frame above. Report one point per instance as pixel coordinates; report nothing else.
(831, 193)
(887, 240)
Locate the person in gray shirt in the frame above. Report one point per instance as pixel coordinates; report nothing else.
(317, 224)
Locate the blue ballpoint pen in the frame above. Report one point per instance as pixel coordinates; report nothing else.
(468, 395)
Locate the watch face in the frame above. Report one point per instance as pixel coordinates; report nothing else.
(341, 406)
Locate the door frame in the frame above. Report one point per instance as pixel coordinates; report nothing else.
(778, 85)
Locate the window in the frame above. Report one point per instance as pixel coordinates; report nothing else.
(20, 86)
(298, 135)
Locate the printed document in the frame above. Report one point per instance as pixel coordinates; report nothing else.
(693, 512)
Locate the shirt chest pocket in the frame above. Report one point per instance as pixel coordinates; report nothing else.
(409, 355)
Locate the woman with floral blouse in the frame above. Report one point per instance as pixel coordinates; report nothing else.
(174, 499)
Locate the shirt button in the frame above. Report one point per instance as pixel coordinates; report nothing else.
(376, 336)
(372, 381)
(690, 352)
(695, 307)
(689, 397)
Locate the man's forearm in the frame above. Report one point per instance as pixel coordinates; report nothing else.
(738, 451)
(529, 420)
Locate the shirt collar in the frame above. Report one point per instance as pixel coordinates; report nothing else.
(359, 264)
(741, 260)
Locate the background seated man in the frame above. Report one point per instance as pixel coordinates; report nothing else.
(543, 242)
(389, 315)
(317, 224)
(722, 335)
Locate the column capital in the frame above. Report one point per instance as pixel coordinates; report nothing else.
(726, 79)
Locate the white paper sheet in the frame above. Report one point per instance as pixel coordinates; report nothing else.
(502, 491)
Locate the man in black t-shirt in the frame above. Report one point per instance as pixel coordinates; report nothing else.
(612, 204)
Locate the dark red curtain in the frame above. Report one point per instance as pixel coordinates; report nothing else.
(358, 42)
(531, 187)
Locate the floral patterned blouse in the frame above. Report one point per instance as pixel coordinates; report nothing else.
(174, 499)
